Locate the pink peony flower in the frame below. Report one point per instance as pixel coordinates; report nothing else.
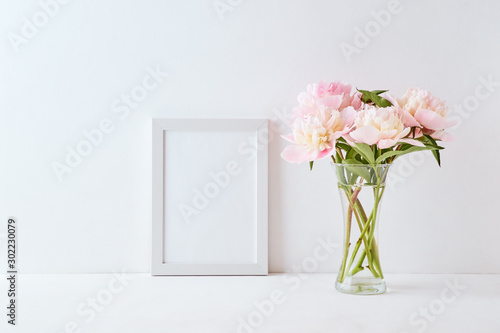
(380, 126)
(418, 108)
(315, 134)
(337, 95)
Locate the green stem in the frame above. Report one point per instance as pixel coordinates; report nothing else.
(376, 261)
(347, 234)
(353, 255)
(361, 223)
(358, 243)
(372, 247)
(367, 224)
(359, 266)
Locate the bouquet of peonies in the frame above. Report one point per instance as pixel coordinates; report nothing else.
(363, 132)
(368, 127)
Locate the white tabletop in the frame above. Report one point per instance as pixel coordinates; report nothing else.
(275, 303)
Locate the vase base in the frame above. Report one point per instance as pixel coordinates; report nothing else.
(362, 287)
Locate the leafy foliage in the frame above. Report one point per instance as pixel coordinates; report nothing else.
(435, 152)
(361, 153)
(372, 97)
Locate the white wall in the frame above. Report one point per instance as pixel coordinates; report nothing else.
(253, 63)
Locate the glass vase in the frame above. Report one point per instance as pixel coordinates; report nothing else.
(361, 188)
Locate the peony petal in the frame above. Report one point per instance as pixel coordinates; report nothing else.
(349, 139)
(348, 115)
(356, 101)
(443, 136)
(412, 142)
(390, 134)
(298, 154)
(387, 143)
(289, 137)
(391, 99)
(303, 110)
(406, 117)
(431, 120)
(367, 134)
(343, 132)
(330, 101)
(405, 132)
(326, 152)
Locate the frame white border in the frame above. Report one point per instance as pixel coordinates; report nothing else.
(158, 267)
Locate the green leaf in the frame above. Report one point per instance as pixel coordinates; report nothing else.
(382, 102)
(344, 146)
(401, 152)
(378, 92)
(384, 156)
(405, 145)
(364, 150)
(340, 174)
(351, 161)
(361, 171)
(369, 97)
(436, 153)
(365, 96)
(338, 159)
(437, 156)
(311, 165)
(351, 154)
(426, 141)
(430, 139)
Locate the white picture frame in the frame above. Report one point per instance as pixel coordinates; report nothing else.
(229, 234)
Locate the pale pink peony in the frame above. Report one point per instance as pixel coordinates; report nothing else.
(314, 135)
(337, 95)
(418, 108)
(380, 126)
